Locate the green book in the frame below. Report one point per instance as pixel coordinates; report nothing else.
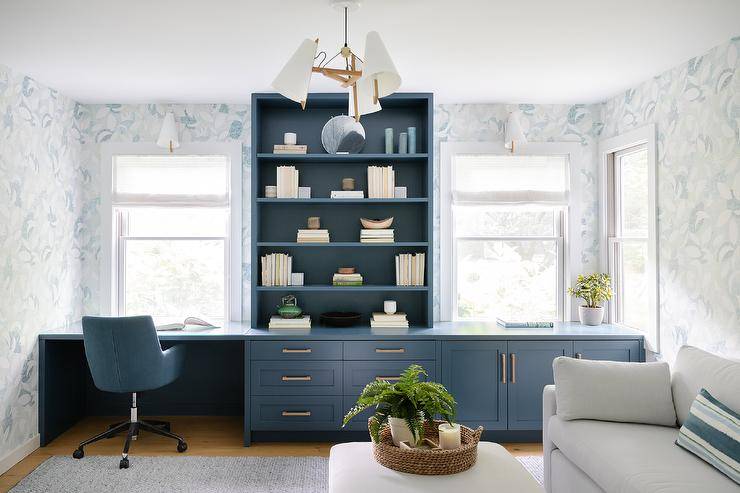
(347, 283)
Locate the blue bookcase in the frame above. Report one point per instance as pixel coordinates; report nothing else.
(275, 221)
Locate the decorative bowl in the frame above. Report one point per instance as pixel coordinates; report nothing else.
(340, 319)
(376, 223)
(346, 270)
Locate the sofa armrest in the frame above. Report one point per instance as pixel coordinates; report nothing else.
(549, 409)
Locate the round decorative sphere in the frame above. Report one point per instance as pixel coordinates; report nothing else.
(343, 134)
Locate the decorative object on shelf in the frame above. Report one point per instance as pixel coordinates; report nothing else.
(168, 137)
(340, 319)
(389, 141)
(313, 222)
(290, 138)
(370, 78)
(288, 307)
(270, 191)
(313, 236)
(381, 182)
(346, 270)
(296, 279)
(449, 436)
(411, 400)
(403, 143)
(399, 192)
(390, 307)
(509, 324)
(396, 320)
(348, 184)
(287, 182)
(276, 269)
(304, 192)
(347, 194)
(376, 223)
(299, 322)
(347, 278)
(410, 269)
(594, 289)
(343, 134)
(412, 139)
(289, 149)
(377, 236)
(513, 132)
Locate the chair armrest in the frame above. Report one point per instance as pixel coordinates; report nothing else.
(173, 361)
(549, 409)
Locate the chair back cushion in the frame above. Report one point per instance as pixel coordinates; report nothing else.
(123, 353)
(695, 369)
(613, 391)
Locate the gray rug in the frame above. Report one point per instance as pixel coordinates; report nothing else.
(97, 474)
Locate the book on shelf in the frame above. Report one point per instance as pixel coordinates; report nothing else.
(312, 236)
(189, 324)
(410, 269)
(515, 324)
(287, 182)
(347, 280)
(376, 236)
(276, 269)
(278, 322)
(289, 149)
(381, 182)
(384, 320)
(347, 194)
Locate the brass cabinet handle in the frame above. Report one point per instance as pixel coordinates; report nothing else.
(513, 368)
(503, 368)
(579, 356)
(382, 350)
(289, 351)
(293, 414)
(301, 378)
(380, 379)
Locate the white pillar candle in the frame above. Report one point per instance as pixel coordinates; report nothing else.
(449, 436)
(290, 138)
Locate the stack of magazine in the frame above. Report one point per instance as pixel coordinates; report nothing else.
(347, 279)
(313, 236)
(389, 321)
(278, 322)
(376, 236)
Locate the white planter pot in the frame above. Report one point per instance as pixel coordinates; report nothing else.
(591, 316)
(400, 431)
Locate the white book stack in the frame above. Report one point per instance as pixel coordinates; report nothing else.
(287, 182)
(289, 149)
(410, 269)
(347, 194)
(277, 269)
(381, 182)
(313, 236)
(278, 322)
(376, 236)
(397, 320)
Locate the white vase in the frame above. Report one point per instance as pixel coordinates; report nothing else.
(400, 431)
(591, 316)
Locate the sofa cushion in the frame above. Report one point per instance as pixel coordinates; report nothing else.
(614, 391)
(712, 433)
(635, 458)
(695, 369)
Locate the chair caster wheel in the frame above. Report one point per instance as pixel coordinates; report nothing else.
(182, 447)
(123, 464)
(78, 454)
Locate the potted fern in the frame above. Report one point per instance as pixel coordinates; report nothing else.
(594, 289)
(404, 405)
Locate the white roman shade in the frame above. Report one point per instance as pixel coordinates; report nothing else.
(510, 179)
(171, 180)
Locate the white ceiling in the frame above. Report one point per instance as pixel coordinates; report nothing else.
(538, 51)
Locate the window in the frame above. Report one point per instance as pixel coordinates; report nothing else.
(173, 237)
(629, 226)
(504, 235)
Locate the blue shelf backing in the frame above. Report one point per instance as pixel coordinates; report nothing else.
(364, 287)
(341, 159)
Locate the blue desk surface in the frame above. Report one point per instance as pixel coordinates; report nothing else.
(441, 330)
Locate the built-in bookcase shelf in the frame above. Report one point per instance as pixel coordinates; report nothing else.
(275, 221)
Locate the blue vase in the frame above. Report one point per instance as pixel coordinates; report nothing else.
(389, 141)
(412, 140)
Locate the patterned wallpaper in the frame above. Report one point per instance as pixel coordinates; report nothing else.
(696, 109)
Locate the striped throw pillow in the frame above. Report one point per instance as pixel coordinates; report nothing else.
(712, 433)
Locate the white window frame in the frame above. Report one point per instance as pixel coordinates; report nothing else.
(570, 246)
(646, 136)
(110, 277)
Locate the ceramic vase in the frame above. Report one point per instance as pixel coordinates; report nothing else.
(400, 431)
(591, 316)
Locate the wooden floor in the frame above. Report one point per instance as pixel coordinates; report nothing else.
(216, 436)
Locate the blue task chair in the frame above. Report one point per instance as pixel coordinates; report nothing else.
(124, 356)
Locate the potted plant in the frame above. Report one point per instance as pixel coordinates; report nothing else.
(594, 289)
(404, 405)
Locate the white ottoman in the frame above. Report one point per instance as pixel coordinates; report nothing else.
(352, 469)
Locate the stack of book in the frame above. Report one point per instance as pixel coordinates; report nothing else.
(277, 269)
(347, 279)
(347, 194)
(384, 320)
(278, 322)
(381, 182)
(410, 269)
(287, 182)
(289, 149)
(313, 236)
(376, 236)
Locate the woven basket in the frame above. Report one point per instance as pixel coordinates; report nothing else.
(434, 462)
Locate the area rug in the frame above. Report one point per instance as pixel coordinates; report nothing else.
(98, 473)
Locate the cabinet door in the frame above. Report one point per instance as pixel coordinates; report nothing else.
(473, 372)
(530, 369)
(608, 350)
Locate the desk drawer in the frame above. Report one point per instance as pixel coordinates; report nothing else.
(285, 413)
(296, 378)
(385, 350)
(295, 350)
(357, 374)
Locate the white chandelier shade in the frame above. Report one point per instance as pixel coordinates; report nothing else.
(293, 80)
(168, 137)
(379, 66)
(365, 103)
(513, 132)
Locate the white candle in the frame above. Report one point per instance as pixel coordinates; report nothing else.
(449, 436)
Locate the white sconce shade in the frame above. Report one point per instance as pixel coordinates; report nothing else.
(168, 137)
(293, 80)
(513, 131)
(365, 104)
(379, 66)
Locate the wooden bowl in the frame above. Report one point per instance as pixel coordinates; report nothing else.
(376, 223)
(346, 270)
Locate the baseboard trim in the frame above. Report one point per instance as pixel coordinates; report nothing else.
(19, 453)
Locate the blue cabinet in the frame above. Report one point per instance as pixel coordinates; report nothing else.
(608, 350)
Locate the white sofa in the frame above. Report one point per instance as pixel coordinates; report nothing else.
(584, 455)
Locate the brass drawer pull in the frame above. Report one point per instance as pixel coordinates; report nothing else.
(293, 351)
(503, 368)
(389, 379)
(382, 350)
(293, 414)
(513, 368)
(302, 378)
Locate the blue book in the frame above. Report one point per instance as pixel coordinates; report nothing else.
(524, 325)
